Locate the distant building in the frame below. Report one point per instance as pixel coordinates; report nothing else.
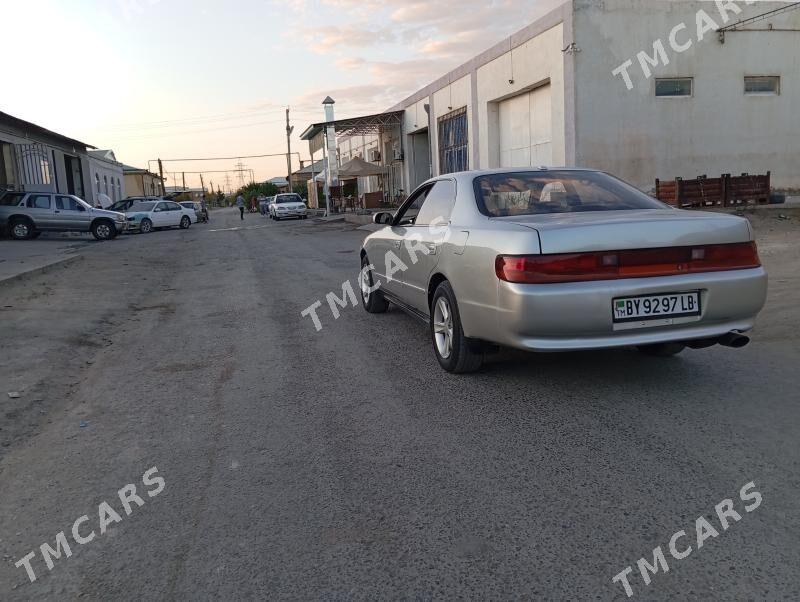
(281, 183)
(107, 177)
(33, 158)
(141, 182)
(194, 194)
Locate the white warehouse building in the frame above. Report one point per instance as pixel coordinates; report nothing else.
(640, 88)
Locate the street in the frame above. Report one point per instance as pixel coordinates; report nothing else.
(346, 464)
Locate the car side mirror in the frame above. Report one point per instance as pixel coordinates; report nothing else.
(383, 217)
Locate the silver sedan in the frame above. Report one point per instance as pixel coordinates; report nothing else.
(559, 260)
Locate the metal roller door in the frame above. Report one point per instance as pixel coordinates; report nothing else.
(526, 129)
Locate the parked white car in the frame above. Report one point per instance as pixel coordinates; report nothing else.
(150, 215)
(288, 205)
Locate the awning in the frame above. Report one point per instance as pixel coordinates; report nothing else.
(354, 126)
(358, 168)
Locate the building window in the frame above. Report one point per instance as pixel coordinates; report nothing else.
(105, 184)
(453, 142)
(97, 181)
(674, 87)
(762, 85)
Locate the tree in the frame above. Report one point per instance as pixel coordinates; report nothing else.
(301, 188)
(257, 189)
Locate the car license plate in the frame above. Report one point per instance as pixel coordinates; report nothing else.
(656, 307)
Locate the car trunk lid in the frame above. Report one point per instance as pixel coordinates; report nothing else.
(640, 229)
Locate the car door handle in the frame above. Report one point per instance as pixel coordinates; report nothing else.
(397, 244)
(431, 248)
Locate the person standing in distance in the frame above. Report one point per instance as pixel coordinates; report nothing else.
(240, 205)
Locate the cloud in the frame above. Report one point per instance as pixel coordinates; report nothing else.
(419, 41)
(331, 37)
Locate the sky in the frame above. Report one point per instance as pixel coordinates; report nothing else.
(177, 79)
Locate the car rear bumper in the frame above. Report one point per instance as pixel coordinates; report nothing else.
(573, 316)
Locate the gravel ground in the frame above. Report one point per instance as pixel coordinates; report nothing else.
(345, 464)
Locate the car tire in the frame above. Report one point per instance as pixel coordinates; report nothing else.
(662, 349)
(36, 234)
(455, 352)
(103, 229)
(146, 226)
(374, 302)
(21, 229)
(185, 222)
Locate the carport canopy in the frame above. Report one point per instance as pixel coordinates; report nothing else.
(354, 126)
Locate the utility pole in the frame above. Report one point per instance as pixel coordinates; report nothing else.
(289, 130)
(161, 174)
(183, 175)
(202, 184)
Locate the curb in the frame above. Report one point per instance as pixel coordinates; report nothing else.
(61, 263)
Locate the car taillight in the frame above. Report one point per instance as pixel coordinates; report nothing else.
(638, 263)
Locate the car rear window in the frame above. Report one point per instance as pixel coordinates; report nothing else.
(10, 199)
(289, 198)
(141, 207)
(534, 193)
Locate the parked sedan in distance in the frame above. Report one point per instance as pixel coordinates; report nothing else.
(288, 205)
(125, 204)
(194, 207)
(558, 260)
(28, 214)
(150, 215)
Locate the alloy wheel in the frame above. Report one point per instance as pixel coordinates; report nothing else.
(104, 231)
(21, 230)
(443, 327)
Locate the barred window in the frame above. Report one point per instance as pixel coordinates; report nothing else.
(453, 142)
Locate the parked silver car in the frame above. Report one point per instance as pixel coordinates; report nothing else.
(557, 260)
(28, 214)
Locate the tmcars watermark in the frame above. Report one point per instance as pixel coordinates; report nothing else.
(106, 516)
(440, 231)
(704, 24)
(726, 514)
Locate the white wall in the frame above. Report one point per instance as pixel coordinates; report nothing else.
(719, 130)
(535, 62)
(104, 171)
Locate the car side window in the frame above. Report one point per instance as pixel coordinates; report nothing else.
(438, 204)
(65, 203)
(174, 207)
(162, 207)
(408, 213)
(39, 201)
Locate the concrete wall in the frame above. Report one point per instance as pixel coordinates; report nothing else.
(105, 172)
(640, 137)
(142, 184)
(56, 151)
(533, 63)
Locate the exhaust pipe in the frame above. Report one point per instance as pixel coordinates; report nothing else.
(734, 339)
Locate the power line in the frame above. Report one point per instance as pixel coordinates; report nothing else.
(230, 158)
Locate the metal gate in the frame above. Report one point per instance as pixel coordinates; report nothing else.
(33, 166)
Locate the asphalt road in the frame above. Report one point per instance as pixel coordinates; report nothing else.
(345, 464)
